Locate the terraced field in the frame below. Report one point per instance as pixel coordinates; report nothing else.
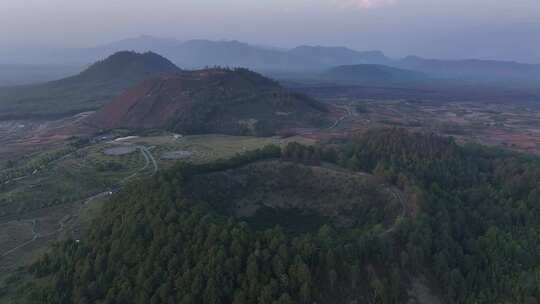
(75, 175)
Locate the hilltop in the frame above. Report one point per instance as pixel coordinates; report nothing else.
(88, 90)
(126, 66)
(211, 100)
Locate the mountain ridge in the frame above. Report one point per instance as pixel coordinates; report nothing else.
(200, 53)
(472, 69)
(178, 51)
(371, 74)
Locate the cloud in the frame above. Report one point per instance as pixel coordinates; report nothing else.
(365, 4)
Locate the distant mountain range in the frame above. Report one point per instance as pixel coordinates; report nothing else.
(195, 54)
(371, 74)
(472, 69)
(202, 53)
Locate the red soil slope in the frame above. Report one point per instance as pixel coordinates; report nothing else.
(153, 102)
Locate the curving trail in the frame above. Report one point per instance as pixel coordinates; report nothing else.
(348, 113)
(392, 190)
(148, 156)
(397, 195)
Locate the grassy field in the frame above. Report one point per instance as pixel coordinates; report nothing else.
(207, 148)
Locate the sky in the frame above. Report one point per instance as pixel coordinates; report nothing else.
(487, 29)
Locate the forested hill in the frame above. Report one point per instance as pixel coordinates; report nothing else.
(218, 100)
(126, 66)
(88, 90)
(472, 226)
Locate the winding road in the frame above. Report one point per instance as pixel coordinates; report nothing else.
(148, 158)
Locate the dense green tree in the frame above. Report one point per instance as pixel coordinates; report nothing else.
(472, 223)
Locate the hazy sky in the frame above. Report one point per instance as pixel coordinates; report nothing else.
(436, 28)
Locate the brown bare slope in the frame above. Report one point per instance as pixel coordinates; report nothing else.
(211, 100)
